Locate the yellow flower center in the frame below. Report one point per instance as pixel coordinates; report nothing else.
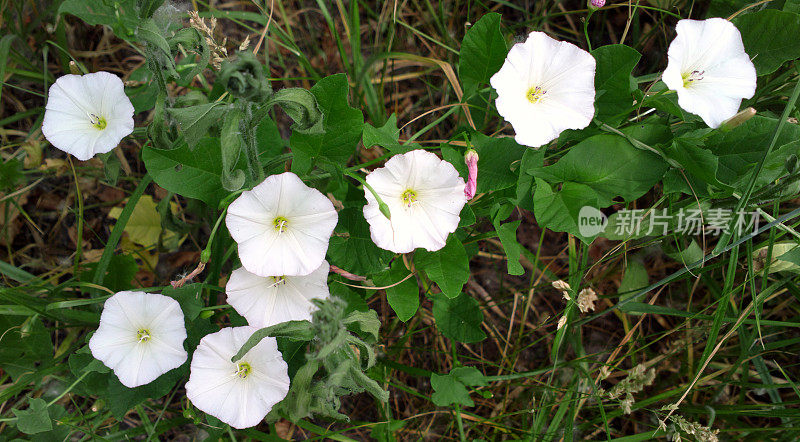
(409, 197)
(690, 78)
(536, 94)
(243, 370)
(278, 280)
(143, 335)
(98, 122)
(280, 224)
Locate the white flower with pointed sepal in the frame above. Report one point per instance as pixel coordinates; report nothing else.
(544, 87)
(710, 70)
(282, 226)
(140, 336)
(87, 114)
(238, 393)
(425, 196)
(266, 301)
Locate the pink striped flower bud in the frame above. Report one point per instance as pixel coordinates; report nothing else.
(471, 158)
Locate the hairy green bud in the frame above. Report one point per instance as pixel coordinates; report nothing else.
(243, 77)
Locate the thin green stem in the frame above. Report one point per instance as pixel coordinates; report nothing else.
(68, 389)
(79, 216)
(369, 163)
(205, 255)
(382, 206)
(456, 407)
(586, 29)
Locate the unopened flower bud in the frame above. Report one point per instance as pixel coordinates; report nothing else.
(738, 119)
(346, 274)
(74, 69)
(471, 158)
(596, 4)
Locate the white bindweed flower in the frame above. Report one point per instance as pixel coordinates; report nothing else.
(709, 69)
(87, 114)
(270, 300)
(425, 196)
(238, 393)
(544, 87)
(282, 226)
(140, 336)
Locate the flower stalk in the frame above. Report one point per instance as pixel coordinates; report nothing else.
(737, 120)
(382, 206)
(205, 255)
